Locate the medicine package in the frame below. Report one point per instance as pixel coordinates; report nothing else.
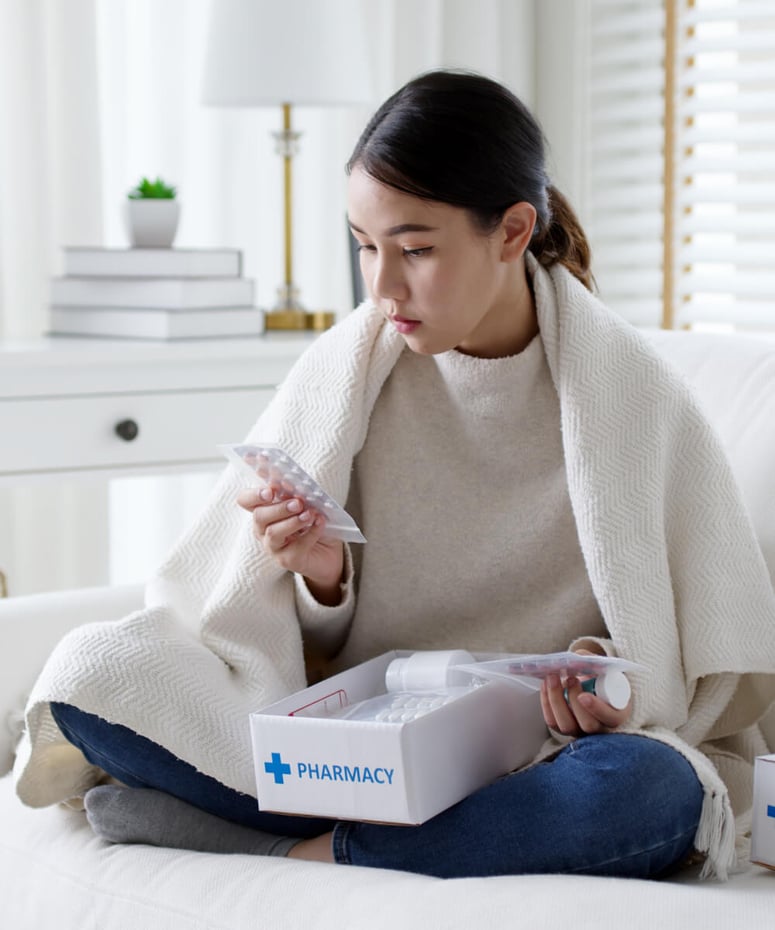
(395, 739)
(265, 464)
(532, 669)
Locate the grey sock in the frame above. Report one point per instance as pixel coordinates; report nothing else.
(142, 815)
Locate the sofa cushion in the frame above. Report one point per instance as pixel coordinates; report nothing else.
(55, 873)
(734, 379)
(30, 627)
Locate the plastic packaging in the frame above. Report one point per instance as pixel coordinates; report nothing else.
(538, 667)
(401, 707)
(266, 464)
(604, 675)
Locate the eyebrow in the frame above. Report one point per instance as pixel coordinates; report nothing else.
(398, 230)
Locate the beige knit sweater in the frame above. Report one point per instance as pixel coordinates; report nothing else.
(462, 493)
(669, 550)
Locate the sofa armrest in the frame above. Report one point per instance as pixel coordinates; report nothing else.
(30, 627)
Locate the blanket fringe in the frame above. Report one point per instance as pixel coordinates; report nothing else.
(716, 836)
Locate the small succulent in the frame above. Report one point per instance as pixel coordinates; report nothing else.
(152, 190)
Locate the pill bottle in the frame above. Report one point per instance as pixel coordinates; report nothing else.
(428, 671)
(611, 687)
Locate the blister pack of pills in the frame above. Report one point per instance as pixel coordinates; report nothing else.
(265, 464)
(403, 707)
(537, 667)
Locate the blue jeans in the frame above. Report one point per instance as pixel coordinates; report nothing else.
(615, 804)
(140, 763)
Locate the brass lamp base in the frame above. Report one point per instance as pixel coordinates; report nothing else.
(317, 320)
(288, 313)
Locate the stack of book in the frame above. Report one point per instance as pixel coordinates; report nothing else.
(153, 294)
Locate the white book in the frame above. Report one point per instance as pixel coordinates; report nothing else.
(165, 263)
(163, 293)
(156, 323)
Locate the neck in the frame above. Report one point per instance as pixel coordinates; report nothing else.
(512, 324)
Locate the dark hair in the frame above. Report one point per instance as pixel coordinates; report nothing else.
(463, 139)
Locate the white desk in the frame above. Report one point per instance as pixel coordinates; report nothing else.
(106, 407)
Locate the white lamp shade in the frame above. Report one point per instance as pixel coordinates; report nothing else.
(303, 52)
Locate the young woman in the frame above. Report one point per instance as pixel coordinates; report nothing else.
(531, 478)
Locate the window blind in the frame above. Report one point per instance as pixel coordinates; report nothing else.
(725, 163)
(624, 196)
(681, 197)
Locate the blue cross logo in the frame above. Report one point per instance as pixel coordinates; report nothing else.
(771, 810)
(278, 768)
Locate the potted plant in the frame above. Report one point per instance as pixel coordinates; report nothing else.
(152, 214)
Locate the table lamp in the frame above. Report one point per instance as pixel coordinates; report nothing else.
(286, 53)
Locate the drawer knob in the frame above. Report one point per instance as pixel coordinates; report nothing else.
(127, 430)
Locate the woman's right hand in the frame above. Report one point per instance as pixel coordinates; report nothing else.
(292, 534)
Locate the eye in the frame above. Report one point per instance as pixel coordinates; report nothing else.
(418, 253)
(362, 247)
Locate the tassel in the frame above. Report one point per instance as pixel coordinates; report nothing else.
(716, 836)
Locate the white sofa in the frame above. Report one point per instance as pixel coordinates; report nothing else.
(55, 874)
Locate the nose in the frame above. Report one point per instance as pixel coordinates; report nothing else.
(387, 279)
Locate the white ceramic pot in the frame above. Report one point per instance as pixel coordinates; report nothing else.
(152, 223)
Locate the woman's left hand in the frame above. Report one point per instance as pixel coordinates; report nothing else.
(580, 712)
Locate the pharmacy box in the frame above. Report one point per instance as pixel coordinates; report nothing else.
(348, 749)
(763, 827)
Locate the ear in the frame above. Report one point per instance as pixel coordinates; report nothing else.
(517, 229)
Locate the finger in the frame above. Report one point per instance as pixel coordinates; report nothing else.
(596, 712)
(271, 512)
(249, 498)
(288, 522)
(561, 710)
(310, 534)
(585, 718)
(546, 708)
(296, 554)
(287, 530)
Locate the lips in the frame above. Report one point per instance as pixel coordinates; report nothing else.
(404, 325)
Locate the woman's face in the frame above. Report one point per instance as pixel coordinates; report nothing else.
(438, 279)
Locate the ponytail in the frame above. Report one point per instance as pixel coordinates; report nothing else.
(562, 240)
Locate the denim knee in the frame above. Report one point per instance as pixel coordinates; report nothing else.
(613, 804)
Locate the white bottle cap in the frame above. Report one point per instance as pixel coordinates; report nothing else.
(394, 676)
(428, 671)
(613, 688)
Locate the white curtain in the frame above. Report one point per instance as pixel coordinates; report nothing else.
(50, 192)
(50, 174)
(96, 93)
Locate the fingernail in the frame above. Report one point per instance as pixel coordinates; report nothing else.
(294, 506)
(305, 517)
(266, 495)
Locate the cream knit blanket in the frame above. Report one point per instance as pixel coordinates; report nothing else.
(670, 553)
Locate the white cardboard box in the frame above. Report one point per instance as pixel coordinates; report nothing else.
(389, 772)
(763, 827)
